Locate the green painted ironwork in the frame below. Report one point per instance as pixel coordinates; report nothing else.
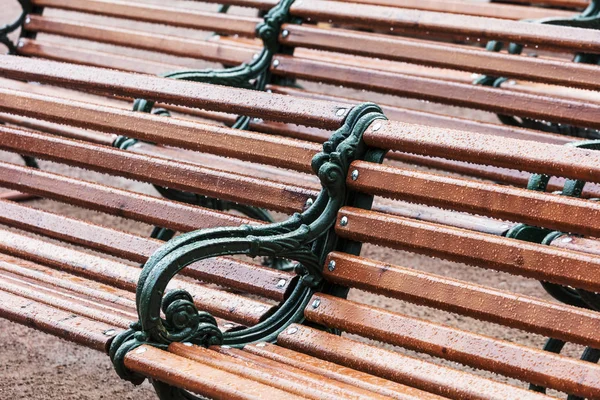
(305, 238)
(13, 26)
(588, 19)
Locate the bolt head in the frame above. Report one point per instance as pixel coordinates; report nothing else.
(141, 350)
(377, 126)
(20, 44)
(261, 344)
(291, 331)
(285, 33)
(316, 303)
(110, 332)
(344, 221)
(27, 20)
(567, 240)
(309, 202)
(188, 344)
(281, 283)
(340, 112)
(276, 63)
(331, 265)
(354, 175)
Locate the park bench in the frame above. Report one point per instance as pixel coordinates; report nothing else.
(559, 99)
(42, 102)
(282, 342)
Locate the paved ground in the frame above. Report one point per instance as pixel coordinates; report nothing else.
(38, 366)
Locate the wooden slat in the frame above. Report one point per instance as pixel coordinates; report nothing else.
(223, 271)
(503, 202)
(556, 109)
(503, 357)
(270, 106)
(159, 171)
(219, 303)
(543, 158)
(399, 368)
(518, 311)
(173, 16)
(487, 251)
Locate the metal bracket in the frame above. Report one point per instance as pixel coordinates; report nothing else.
(305, 238)
(11, 27)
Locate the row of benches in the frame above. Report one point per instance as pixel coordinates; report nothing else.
(226, 349)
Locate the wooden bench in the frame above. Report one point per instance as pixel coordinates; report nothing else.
(548, 92)
(91, 299)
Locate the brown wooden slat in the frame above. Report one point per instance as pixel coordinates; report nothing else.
(384, 18)
(159, 171)
(239, 101)
(578, 113)
(444, 55)
(69, 303)
(83, 331)
(75, 284)
(221, 304)
(506, 358)
(503, 202)
(173, 16)
(274, 374)
(223, 141)
(399, 368)
(199, 378)
(411, 116)
(224, 271)
(487, 251)
(179, 46)
(482, 9)
(518, 311)
(334, 371)
(150, 209)
(564, 161)
(95, 58)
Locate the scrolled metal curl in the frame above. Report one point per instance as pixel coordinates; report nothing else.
(305, 238)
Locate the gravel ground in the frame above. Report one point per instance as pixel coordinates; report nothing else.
(39, 366)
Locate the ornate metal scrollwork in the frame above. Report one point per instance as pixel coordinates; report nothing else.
(306, 238)
(11, 27)
(588, 19)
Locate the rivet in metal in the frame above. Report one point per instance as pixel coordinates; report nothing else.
(257, 120)
(567, 240)
(110, 332)
(188, 344)
(281, 283)
(340, 112)
(228, 325)
(285, 33)
(331, 265)
(141, 350)
(309, 202)
(355, 175)
(255, 56)
(316, 303)
(261, 344)
(291, 331)
(377, 126)
(344, 221)
(21, 43)
(27, 20)
(276, 63)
